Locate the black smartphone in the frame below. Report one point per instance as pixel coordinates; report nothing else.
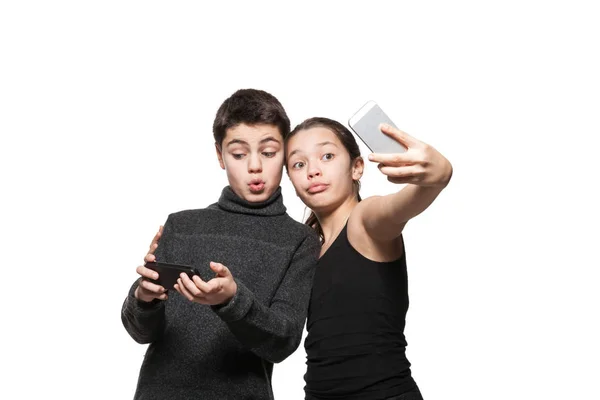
(169, 273)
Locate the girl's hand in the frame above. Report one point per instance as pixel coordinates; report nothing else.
(420, 165)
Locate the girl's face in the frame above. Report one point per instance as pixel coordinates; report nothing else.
(320, 169)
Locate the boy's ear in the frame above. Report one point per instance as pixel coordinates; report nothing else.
(358, 167)
(219, 155)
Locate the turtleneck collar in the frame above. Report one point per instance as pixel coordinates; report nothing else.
(229, 201)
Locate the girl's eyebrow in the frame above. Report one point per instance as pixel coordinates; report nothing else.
(318, 145)
(324, 143)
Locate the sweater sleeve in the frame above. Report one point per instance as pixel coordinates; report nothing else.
(274, 332)
(145, 321)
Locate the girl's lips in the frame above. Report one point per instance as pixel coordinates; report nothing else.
(317, 188)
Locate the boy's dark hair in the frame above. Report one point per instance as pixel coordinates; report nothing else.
(251, 107)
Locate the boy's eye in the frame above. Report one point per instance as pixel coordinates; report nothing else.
(238, 156)
(269, 154)
(327, 156)
(298, 165)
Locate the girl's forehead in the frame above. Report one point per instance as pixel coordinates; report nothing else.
(312, 137)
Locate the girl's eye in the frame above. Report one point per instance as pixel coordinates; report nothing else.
(269, 154)
(298, 165)
(327, 157)
(237, 156)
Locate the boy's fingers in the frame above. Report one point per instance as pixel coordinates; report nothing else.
(147, 272)
(151, 287)
(186, 283)
(220, 269)
(191, 286)
(154, 242)
(183, 291)
(200, 283)
(215, 285)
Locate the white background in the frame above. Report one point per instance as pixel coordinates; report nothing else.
(106, 111)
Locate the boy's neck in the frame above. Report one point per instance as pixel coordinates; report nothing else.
(231, 202)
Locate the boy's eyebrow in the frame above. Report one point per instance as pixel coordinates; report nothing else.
(269, 139)
(237, 141)
(318, 144)
(243, 142)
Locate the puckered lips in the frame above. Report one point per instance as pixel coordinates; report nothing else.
(256, 185)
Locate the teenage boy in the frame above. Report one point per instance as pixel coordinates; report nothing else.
(219, 338)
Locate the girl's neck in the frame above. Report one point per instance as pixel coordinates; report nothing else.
(333, 222)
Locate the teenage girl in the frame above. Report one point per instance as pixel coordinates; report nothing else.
(355, 344)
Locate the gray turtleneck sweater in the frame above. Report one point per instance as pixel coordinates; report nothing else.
(226, 352)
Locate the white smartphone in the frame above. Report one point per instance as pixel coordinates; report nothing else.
(365, 123)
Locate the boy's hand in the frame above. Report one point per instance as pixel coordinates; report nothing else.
(218, 290)
(153, 245)
(146, 290)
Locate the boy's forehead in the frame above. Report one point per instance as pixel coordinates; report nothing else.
(252, 133)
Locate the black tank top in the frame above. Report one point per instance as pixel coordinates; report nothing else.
(355, 345)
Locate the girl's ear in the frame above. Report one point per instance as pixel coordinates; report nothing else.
(358, 167)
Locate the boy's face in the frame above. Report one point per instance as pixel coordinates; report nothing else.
(252, 156)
